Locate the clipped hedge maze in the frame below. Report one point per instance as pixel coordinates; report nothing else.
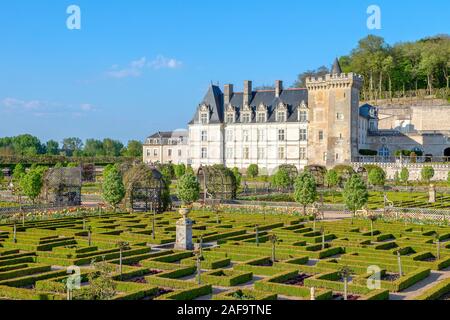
(235, 264)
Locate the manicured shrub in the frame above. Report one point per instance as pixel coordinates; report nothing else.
(427, 173)
(305, 190)
(252, 171)
(188, 189)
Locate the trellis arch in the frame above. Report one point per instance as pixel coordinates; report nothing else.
(318, 172)
(62, 186)
(217, 182)
(144, 186)
(291, 169)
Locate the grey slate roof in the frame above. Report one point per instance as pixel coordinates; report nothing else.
(336, 67)
(290, 97)
(368, 111)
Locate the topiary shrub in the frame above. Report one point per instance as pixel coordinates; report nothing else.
(188, 189)
(427, 173)
(252, 171)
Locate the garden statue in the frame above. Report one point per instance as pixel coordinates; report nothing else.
(432, 192)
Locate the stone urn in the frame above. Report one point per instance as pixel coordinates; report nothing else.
(184, 212)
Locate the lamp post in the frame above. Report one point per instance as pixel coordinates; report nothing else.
(257, 235)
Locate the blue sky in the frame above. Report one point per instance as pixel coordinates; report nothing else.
(138, 66)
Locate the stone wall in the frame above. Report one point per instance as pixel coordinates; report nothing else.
(441, 170)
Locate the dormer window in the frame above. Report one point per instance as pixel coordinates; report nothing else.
(281, 113)
(230, 114)
(204, 118)
(302, 115)
(303, 112)
(230, 117)
(281, 116)
(246, 114)
(261, 114)
(245, 117)
(204, 114)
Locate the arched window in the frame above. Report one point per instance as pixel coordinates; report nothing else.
(384, 152)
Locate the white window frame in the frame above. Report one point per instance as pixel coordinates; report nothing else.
(204, 136)
(204, 118)
(246, 153)
(281, 153)
(204, 153)
(302, 154)
(245, 135)
(303, 135)
(281, 135)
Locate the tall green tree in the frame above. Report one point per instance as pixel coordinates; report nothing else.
(180, 170)
(332, 179)
(31, 183)
(133, 149)
(112, 147)
(355, 194)
(282, 179)
(305, 189)
(72, 146)
(113, 187)
(93, 148)
(52, 147)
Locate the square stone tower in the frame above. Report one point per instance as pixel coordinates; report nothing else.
(333, 114)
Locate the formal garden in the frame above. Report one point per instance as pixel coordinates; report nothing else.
(242, 256)
(130, 248)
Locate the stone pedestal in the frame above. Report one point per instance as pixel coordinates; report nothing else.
(184, 234)
(432, 193)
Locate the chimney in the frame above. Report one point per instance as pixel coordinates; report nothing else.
(228, 94)
(247, 92)
(278, 88)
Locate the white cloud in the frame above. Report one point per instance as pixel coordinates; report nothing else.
(14, 103)
(39, 108)
(161, 62)
(137, 67)
(87, 107)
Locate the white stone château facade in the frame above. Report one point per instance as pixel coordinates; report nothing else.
(167, 147)
(313, 126)
(320, 125)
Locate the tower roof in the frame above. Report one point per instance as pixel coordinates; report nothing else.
(336, 67)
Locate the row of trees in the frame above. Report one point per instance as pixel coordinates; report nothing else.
(423, 64)
(28, 183)
(376, 176)
(355, 193)
(28, 145)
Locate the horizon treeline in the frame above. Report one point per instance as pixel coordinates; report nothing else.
(421, 64)
(28, 145)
